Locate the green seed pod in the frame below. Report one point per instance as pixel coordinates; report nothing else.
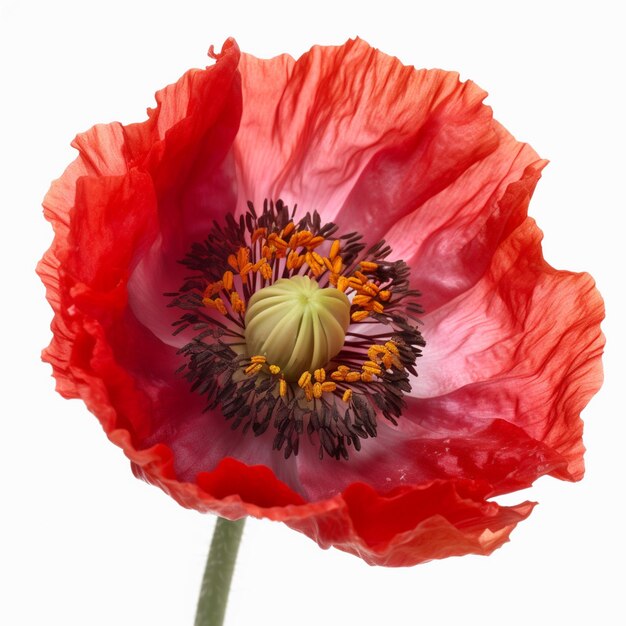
(297, 325)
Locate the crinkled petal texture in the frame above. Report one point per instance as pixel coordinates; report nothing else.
(415, 157)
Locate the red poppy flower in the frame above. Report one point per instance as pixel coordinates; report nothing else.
(226, 306)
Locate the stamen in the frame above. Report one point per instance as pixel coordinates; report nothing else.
(298, 368)
(314, 242)
(304, 379)
(215, 304)
(317, 390)
(371, 368)
(370, 289)
(368, 266)
(237, 304)
(361, 300)
(320, 375)
(392, 347)
(343, 283)
(257, 234)
(359, 316)
(228, 280)
(254, 368)
(266, 271)
(288, 230)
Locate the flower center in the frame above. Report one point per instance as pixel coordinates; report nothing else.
(297, 325)
(298, 328)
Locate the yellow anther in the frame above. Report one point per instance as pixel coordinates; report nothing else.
(375, 370)
(370, 289)
(384, 295)
(333, 278)
(370, 364)
(337, 265)
(215, 304)
(316, 268)
(378, 307)
(361, 300)
(280, 243)
(392, 347)
(258, 358)
(343, 368)
(220, 306)
(274, 369)
(288, 230)
(328, 264)
(266, 271)
(336, 375)
(320, 375)
(257, 234)
(368, 266)
(267, 252)
(342, 283)
(232, 261)
(243, 256)
(347, 394)
(328, 387)
(228, 280)
(334, 249)
(353, 377)
(275, 240)
(292, 260)
(300, 239)
(244, 271)
(318, 258)
(388, 360)
(374, 351)
(308, 392)
(317, 390)
(359, 316)
(304, 380)
(238, 305)
(253, 368)
(355, 283)
(366, 377)
(257, 266)
(316, 241)
(240, 262)
(246, 268)
(282, 387)
(213, 288)
(362, 277)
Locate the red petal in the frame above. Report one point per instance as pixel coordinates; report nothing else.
(357, 135)
(405, 527)
(449, 240)
(351, 127)
(523, 345)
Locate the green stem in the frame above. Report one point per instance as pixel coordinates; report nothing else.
(218, 572)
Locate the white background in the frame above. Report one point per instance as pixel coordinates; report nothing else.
(83, 542)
